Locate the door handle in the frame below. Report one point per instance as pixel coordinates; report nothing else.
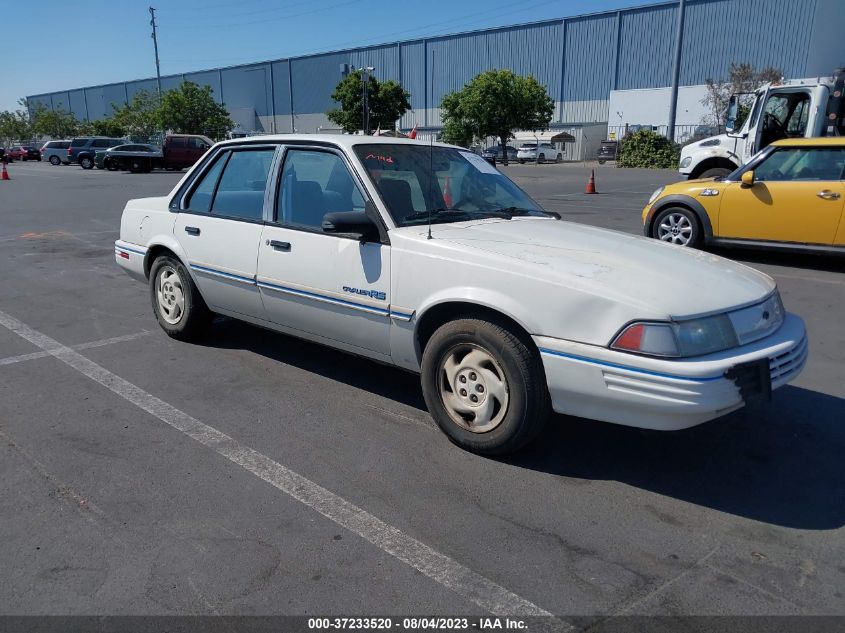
(827, 194)
(279, 246)
(192, 230)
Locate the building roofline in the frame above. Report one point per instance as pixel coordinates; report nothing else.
(427, 38)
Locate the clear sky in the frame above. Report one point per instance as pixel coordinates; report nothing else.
(53, 45)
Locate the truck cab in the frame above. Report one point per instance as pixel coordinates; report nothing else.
(800, 108)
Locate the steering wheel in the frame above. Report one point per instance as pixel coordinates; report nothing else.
(771, 122)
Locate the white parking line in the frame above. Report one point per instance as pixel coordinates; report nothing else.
(480, 590)
(11, 360)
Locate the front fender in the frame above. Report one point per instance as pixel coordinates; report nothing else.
(483, 297)
(679, 200)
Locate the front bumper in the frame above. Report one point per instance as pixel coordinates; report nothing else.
(603, 384)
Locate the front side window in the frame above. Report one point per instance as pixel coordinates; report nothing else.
(419, 183)
(314, 183)
(200, 198)
(802, 164)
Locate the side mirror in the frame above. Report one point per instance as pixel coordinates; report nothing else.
(733, 110)
(748, 178)
(351, 223)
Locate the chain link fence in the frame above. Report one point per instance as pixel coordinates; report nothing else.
(684, 134)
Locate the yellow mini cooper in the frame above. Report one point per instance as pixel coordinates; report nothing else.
(790, 195)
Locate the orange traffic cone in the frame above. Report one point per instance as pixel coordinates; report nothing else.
(5, 175)
(591, 183)
(447, 193)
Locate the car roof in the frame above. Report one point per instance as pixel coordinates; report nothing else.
(343, 140)
(826, 141)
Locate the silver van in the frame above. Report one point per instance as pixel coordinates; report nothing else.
(55, 152)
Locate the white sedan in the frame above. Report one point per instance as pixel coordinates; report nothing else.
(428, 258)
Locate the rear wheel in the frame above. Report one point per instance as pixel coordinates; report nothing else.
(484, 386)
(541, 158)
(177, 304)
(86, 162)
(677, 225)
(559, 158)
(55, 160)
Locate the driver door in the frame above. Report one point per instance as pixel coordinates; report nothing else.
(797, 197)
(327, 285)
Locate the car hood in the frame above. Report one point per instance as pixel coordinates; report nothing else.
(659, 278)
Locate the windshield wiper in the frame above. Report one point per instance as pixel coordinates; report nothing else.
(523, 212)
(439, 214)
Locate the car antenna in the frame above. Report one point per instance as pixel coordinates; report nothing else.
(431, 155)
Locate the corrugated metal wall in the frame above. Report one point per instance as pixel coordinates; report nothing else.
(579, 60)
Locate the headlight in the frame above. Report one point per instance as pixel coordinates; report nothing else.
(695, 337)
(655, 195)
(710, 143)
(686, 161)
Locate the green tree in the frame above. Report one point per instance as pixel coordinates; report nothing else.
(139, 118)
(54, 123)
(495, 103)
(387, 102)
(457, 127)
(647, 149)
(15, 126)
(743, 80)
(191, 109)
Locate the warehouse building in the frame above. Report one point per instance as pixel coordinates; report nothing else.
(604, 70)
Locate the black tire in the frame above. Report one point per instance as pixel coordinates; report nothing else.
(541, 158)
(695, 233)
(601, 162)
(559, 158)
(715, 172)
(86, 162)
(528, 404)
(136, 165)
(110, 164)
(55, 160)
(38, 159)
(194, 319)
(521, 161)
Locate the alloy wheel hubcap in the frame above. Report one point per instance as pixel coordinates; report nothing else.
(171, 298)
(473, 389)
(675, 228)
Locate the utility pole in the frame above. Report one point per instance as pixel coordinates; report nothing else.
(155, 45)
(676, 71)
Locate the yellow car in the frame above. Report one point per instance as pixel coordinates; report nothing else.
(790, 195)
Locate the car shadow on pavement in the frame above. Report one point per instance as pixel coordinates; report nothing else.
(806, 261)
(781, 464)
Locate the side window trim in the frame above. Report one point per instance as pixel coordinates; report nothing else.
(217, 183)
(188, 192)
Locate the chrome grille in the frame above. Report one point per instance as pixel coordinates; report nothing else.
(784, 366)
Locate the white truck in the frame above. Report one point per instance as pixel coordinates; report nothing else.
(791, 109)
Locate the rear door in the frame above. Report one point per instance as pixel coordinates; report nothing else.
(797, 197)
(219, 227)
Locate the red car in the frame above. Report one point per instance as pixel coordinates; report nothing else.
(24, 152)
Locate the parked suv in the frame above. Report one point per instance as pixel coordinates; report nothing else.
(183, 150)
(55, 152)
(82, 149)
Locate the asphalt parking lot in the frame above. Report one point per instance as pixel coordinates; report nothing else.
(258, 474)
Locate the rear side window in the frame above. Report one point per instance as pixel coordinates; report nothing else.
(63, 144)
(177, 143)
(240, 193)
(200, 198)
(79, 142)
(104, 142)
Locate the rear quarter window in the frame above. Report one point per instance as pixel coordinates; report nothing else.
(79, 142)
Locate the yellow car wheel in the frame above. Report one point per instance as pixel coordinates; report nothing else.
(677, 225)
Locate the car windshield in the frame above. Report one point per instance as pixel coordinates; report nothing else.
(419, 183)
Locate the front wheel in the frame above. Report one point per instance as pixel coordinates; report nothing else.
(484, 386)
(677, 225)
(177, 304)
(715, 172)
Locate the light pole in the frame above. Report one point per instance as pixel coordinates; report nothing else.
(365, 109)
